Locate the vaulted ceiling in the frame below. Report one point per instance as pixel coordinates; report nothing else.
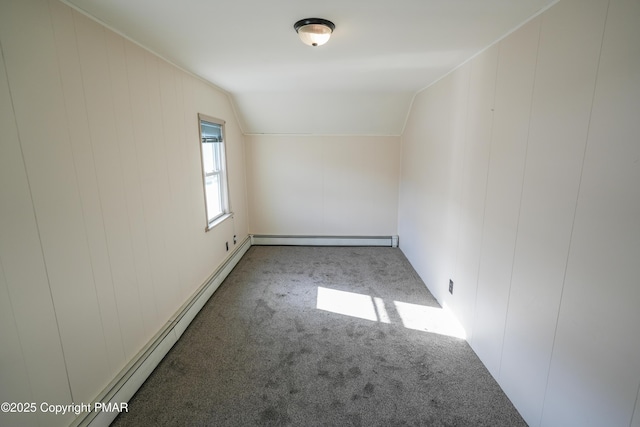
(362, 81)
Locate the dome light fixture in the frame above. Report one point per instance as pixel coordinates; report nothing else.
(314, 31)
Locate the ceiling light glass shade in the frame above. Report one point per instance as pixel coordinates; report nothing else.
(314, 31)
(314, 34)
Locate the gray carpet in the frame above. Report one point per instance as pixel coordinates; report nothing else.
(260, 353)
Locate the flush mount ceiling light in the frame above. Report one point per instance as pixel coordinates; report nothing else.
(314, 31)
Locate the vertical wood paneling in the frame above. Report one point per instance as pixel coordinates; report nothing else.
(139, 167)
(430, 189)
(570, 38)
(194, 105)
(195, 217)
(514, 86)
(80, 83)
(514, 91)
(121, 254)
(158, 215)
(444, 162)
(33, 70)
(190, 194)
(595, 368)
(191, 148)
(478, 130)
(29, 327)
(14, 382)
(176, 233)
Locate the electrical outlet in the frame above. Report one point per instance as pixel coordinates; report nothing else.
(227, 245)
(451, 286)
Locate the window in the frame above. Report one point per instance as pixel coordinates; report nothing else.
(214, 174)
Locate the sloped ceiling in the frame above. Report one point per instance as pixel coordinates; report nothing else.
(362, 82)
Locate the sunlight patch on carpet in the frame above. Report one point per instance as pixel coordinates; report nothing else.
(347, 303)
(429, 319)
(413, 316)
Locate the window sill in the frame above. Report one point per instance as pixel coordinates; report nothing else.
(218, 220)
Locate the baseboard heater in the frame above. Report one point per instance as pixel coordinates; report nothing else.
(124, 386)
(263, 240)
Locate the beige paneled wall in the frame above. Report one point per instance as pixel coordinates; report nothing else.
(33, 367)
(429, 190)
(323, 185)
(478, 130)
(567, 63)
(596, 352)
(546, 204)
(514, 91)
(102, 223)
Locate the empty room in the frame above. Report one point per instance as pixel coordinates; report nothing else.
(280, 213)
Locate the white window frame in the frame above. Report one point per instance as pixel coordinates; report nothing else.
(221, 173)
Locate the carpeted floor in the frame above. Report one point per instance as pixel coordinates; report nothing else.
(261, 353)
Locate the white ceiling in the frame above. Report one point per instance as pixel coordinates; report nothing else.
(361, 82)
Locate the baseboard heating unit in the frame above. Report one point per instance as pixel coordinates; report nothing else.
(262, 240)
